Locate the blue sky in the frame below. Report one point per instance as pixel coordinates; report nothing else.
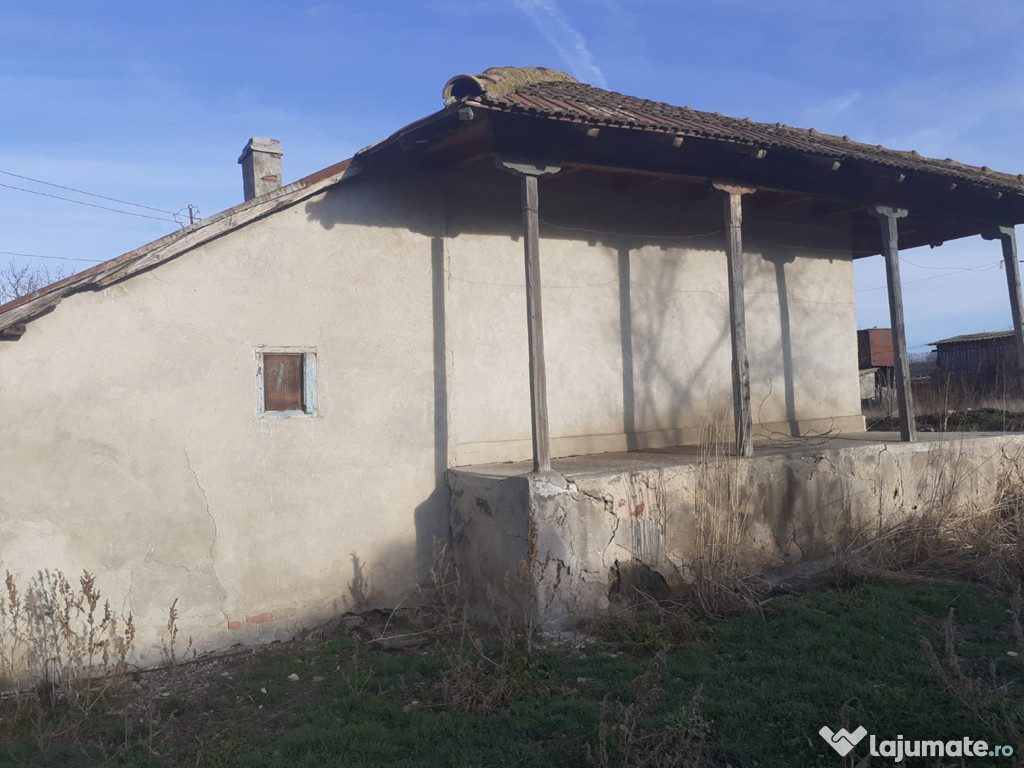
(152, 103)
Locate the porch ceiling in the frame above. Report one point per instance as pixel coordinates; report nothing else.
(578, 126)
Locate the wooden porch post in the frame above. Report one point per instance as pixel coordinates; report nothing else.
(1008, 238)
(887, 217)
(737, 317)
(529, 173)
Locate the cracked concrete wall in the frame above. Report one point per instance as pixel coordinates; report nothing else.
(636, 326)
(597, 534)
(133, 448)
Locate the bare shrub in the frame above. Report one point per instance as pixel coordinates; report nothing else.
(477, 679)
(360, 588)
(17, 280)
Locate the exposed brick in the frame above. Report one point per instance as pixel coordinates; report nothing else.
(234, 625)
(260, 618)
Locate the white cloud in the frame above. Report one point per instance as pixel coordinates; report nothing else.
(568, 41)
(320, 12)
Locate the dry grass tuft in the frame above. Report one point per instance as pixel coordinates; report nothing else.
(722, 580)
(490, 671)
(623, 741)
(946, 540)
(647, 625)
(988, 698)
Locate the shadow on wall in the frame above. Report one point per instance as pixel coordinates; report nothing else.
(404, 203)
(657, 393)
(778, 260)
(432, 515)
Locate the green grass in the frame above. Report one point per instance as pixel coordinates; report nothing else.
(972, 420)
(769, 681)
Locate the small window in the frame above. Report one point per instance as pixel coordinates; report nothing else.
(286, 381)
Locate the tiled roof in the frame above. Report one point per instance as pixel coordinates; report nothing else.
(537, 92)
(973, 337)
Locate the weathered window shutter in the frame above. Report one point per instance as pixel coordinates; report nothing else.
(283, 382)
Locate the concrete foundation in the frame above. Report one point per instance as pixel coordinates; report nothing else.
(576, 540)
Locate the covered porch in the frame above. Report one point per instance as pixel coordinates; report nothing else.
(565, 140)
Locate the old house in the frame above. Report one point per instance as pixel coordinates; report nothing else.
(256, 415)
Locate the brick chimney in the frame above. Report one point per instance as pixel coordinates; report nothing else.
(261, 167)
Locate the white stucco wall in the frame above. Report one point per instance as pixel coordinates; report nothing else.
(636, 328)
(133, 448)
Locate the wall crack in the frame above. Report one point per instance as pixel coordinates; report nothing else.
(206, 501)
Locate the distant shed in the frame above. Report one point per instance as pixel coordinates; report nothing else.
(977, 360)
(874, 348)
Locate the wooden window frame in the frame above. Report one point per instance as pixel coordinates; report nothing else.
(309, 403)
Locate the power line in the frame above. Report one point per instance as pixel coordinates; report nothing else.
(82, 192)
(982, 268)
(54, 258)
(91, 205)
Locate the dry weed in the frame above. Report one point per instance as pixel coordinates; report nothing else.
(61, 638)
(721, 581)
(989, 700)
(647, 625)
(624, 742)
(946, 540)
(356, 674)
(62, 653)
(169, 642)
(484, 675)
(440, 604)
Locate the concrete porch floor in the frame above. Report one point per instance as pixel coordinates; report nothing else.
(586, 531)
(655, 458)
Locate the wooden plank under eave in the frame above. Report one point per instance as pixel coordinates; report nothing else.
(216, 226)
(887, 218)
(1007, 237)
(535, 327)
(14, 331)
(529, 173)
(1009, 242)
(742, 417)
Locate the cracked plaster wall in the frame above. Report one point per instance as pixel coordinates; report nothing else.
(133, 449)
(787, 508)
